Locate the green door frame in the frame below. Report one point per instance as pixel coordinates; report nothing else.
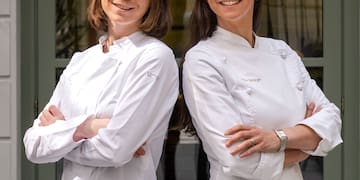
(47, 64)
(351, 57)
(37, 44)
(332, 77)
(28, 68)
(342, 26)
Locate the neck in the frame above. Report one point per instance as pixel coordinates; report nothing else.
(118, 31)
(244, 31)
(242, 26)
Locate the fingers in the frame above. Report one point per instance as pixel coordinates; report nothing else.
(309, 110)
(238, 137)
(247, 147)
(139, 152)
(253, 141)
(77, 136)
(43, 121)
(246, 134)
(318, 109)
(237, 128)
(56, 112)
(251, 150)
(50, 115)
(46, 118)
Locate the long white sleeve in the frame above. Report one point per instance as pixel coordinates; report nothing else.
(146, 102)
(45, 144)
(327, 122)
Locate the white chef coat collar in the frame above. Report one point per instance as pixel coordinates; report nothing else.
(229, 37)
(134, 38)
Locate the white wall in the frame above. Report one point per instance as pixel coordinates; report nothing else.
(9, 165)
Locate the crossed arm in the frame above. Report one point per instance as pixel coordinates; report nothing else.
(142, 94)
(88, 129)
(261, 140)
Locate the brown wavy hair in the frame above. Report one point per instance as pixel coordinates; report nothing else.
(156, 21)
(203, 23)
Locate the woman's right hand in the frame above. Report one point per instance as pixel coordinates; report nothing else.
(310, 110)
(255, 139)
(89, 128)
(50, 115)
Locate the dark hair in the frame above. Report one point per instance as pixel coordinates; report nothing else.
(203, 20)
(203, 23)
(156, 21)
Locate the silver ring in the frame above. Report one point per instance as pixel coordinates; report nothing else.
(252, 142)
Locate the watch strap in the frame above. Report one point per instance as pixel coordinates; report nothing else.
(283, 138)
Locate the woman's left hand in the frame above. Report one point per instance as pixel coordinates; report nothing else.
(254, 140)
(140, 151)
(50, 115)
(89, 128)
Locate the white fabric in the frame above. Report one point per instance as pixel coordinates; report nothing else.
(136, 85)
(226, 82)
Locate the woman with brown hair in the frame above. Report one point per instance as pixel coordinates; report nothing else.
(114, 100)
(251, 99)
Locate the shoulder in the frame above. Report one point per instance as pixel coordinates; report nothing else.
(79, 55)
(154, 51)
(156, 47)
(78, 59)
(203, 55)
(273, 44)
(290, 56)
(279, 47)
(202, 59)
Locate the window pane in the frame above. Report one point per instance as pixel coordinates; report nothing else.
(58, 72)
(316, 73)
(72, 29)
(298, 22)
(178, 36)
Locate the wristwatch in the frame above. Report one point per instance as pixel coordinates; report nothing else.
(283, 139)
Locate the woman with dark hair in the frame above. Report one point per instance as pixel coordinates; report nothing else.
(251, 100)
(114, 100)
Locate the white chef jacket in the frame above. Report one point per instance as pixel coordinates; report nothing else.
(136, 85)
(227, 82)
